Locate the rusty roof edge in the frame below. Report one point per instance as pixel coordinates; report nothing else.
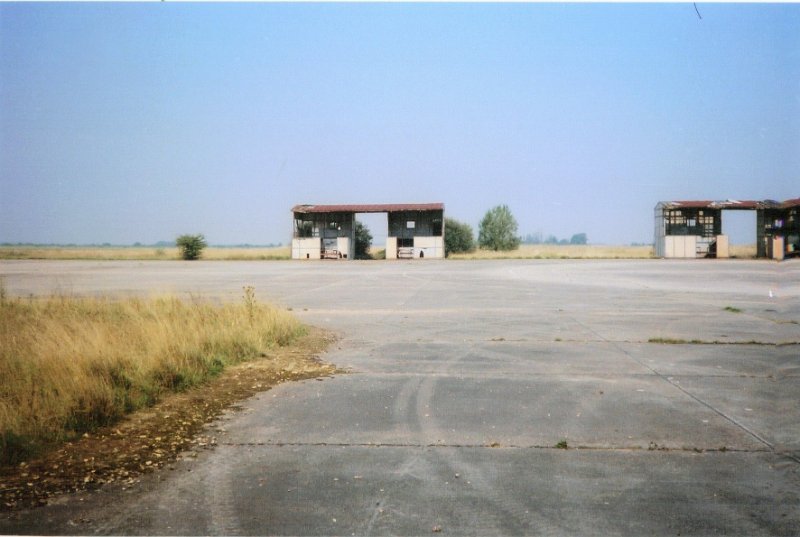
(368, 207)
(730, 204)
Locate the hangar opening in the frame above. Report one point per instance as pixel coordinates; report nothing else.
(691, 229)
(414, 230)
(378, 228)
(740, 227)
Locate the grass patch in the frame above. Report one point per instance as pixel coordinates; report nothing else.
(144, 253)
(732, 309)
(69, 365)
(141, 253)
(678, 341)
(673, 341)
(553, 251)
(743, 251)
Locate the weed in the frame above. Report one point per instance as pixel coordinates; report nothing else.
(667, 341)
(674, 341)
(732, 309)
(562, 445)
(250, 301)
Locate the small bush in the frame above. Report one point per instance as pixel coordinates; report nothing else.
(191, 246)
(363, 241)
(458, 237)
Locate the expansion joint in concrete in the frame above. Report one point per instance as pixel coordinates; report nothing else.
(652, 447)
(676, 385)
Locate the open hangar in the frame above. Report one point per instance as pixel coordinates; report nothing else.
(415, 230)
(691, 229)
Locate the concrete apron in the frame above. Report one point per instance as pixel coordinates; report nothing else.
(467, 381)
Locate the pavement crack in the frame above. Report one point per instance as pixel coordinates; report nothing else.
(495, 446)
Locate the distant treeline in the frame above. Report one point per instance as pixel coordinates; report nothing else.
(159, 244)
(578, 238)
(538, 238)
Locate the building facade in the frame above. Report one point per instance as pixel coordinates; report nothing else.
(691, 229)
(415, 230)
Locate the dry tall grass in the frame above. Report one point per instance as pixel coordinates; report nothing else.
(525, 251)
(743, 251)
(70, 364)
(140, 253)
(556, 251)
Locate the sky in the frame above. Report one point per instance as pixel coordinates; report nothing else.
(125, 123)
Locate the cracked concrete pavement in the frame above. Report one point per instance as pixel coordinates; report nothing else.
(465, 376)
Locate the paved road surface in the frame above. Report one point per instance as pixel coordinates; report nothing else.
(465, 377)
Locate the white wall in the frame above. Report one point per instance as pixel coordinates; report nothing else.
(345, 247)
(306, 248)
(391, 247)
(680, 246)
(433, 247)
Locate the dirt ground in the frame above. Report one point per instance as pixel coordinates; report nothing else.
(152, 439)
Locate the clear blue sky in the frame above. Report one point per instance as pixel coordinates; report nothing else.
(138, 122)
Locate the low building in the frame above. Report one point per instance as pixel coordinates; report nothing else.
(778, 226)
(690, 229)
(415, 230)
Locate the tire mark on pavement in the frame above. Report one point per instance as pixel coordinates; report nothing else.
(220, 503)
(505, 513)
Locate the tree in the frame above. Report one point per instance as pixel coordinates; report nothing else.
(578, 238)
(363, 241)
(458, 237)
(190, 246)
(498, 230)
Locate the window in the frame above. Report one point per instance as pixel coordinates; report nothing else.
(304, 228)
(675, 217)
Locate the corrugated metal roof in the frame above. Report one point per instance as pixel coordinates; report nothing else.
(729, 204)
(368, 208)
